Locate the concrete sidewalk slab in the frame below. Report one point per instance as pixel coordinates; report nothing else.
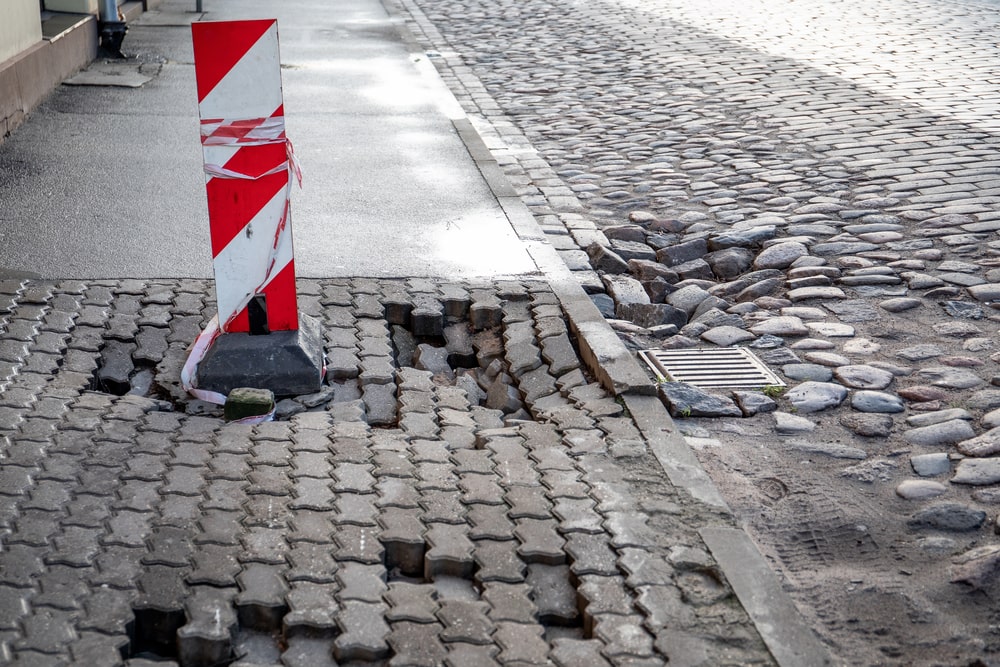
(389, 188)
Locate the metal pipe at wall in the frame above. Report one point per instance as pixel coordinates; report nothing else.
(108, 11)
(113, 29)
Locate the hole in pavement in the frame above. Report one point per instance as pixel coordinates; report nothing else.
(155, 633)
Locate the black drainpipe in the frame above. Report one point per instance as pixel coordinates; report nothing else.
(113, 29)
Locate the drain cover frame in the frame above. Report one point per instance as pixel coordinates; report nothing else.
(712, 368)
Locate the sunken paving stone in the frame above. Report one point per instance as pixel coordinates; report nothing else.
(451, 538)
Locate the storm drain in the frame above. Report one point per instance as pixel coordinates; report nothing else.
(717, 367)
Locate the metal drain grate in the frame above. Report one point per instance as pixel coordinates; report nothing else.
(716, 367)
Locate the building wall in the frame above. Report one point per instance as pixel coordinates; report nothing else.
(20, 28)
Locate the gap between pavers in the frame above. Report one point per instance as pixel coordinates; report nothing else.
(789, 639)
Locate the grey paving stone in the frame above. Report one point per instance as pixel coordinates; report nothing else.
(360, 544)
(312, 610)
(521, 643)
(603, 595)
(553, 593)
(117, 567)
(449, 551)
(395, 492)
(565, 484)
(644, 569)
(364, 632)
(356, 508)
(623, 635)
(13, 606)
(219, 527)
(510, 602)
(578, 653)
(528, 502)
(261, 605)
(442, 507)
(353, 478)
(215, 565)
(207, 636)
(415, 644)
(465, 621)
(498, 560)
(98, 649)
(403, 539)
(61, 587)
(416, 603)
(540, 541)
(311, 562)
(75, 546)
(312, 494)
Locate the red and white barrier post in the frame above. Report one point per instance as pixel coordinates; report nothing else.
(250, 169)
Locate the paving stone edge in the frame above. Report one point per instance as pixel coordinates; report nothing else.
(784, 630)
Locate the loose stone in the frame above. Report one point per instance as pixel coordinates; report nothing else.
(830, 449)
(780, 326)
(861, 346)
(986, 444)
(754, 403)
(977, 472)
(827, 359)
(948, 516)
(945, 433)
(876, 401)
(831, 329)
(816, 396)
(863, 377)
(900, 304)
(920, 489)
(922, 393)
(819, 292)
(802, 372)
(780, 255)
(930, 465)
(868, 425)
(938, 417)
(685, 400)
(786, 423)
(951, 378)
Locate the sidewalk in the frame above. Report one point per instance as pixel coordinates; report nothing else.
(467, 490)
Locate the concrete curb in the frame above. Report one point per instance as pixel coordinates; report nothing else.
(791, 642)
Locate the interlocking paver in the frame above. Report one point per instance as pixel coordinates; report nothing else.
(498, 561)
(416, 603)
(441, 506)
(61, 587)
(207, 636)
(215, 565)
(47, 630)
(313, 610)
(449, 551)
(358, 543)
(509, 602)
(466, 621)
(364, 632)
(416, 645)
(75, 546)
(540, 541)
(108, 611)
(522, 643)
(553, 593)
(261, 602)
(99, 649)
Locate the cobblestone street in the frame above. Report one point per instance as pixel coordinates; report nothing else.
(818, 181)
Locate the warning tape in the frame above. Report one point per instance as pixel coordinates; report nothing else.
(240, 133)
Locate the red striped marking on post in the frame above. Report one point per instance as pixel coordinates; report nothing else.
(249, 164)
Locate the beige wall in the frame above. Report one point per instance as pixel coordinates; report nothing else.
(20, 27)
